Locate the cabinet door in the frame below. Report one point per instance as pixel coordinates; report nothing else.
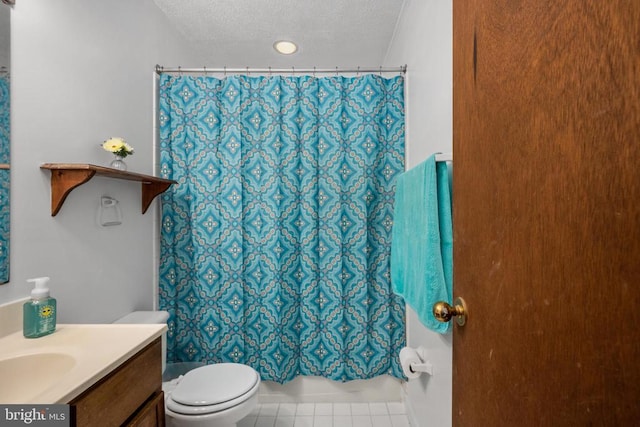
(151, 414)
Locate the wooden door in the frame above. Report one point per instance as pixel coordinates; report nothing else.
(546, 212)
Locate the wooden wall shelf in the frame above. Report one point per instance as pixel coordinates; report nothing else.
(67, 176)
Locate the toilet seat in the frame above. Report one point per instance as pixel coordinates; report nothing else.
(213, 388)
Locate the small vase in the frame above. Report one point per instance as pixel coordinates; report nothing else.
(119, 164)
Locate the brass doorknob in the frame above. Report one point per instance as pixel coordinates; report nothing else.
(444, 312)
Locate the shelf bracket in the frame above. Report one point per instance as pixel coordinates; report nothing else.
(150, 190)
(66, 180)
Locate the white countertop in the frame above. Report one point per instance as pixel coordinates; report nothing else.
(57, 368)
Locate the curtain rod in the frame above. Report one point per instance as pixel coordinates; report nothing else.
(293, 70)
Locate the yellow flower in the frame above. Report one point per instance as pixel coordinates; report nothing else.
(113, 144)
(117, 146)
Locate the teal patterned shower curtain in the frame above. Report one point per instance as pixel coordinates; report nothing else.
(5, 142)
(275, 242)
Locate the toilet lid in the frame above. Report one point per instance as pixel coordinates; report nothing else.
(214, 384)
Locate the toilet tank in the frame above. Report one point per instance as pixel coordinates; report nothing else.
(147, 317)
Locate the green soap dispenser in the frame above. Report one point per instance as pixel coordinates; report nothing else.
(39, 314)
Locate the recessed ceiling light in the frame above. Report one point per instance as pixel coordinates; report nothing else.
(285, 47)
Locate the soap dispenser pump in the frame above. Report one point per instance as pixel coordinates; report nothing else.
(39, 314)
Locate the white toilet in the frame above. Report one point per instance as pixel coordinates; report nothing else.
(216, 395)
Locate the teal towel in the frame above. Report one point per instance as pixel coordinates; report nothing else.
(422, 240)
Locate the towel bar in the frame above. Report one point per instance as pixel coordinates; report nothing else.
(444, 157)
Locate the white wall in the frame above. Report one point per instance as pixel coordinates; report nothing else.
(82, 71)
(423, 41)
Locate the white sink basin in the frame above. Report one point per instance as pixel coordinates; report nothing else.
(32, 374)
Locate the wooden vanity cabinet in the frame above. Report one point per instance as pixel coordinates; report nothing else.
(131, 395)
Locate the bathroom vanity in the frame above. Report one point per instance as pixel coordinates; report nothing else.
(110, 375)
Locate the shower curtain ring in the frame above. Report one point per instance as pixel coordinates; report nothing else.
(381, 71)
(314, 72)
(205, 70)
(179, 71)
(269, 71)
(336, 71)
(225, 71)
(358, 72)
(293, 71)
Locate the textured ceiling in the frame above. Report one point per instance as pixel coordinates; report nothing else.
(241, 33)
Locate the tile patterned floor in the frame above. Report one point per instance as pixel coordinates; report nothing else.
(374, 414)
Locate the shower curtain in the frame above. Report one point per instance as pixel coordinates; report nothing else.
(5, 143)
(275, 242)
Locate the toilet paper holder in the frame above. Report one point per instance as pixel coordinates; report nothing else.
(414, 362)
(425, 366)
